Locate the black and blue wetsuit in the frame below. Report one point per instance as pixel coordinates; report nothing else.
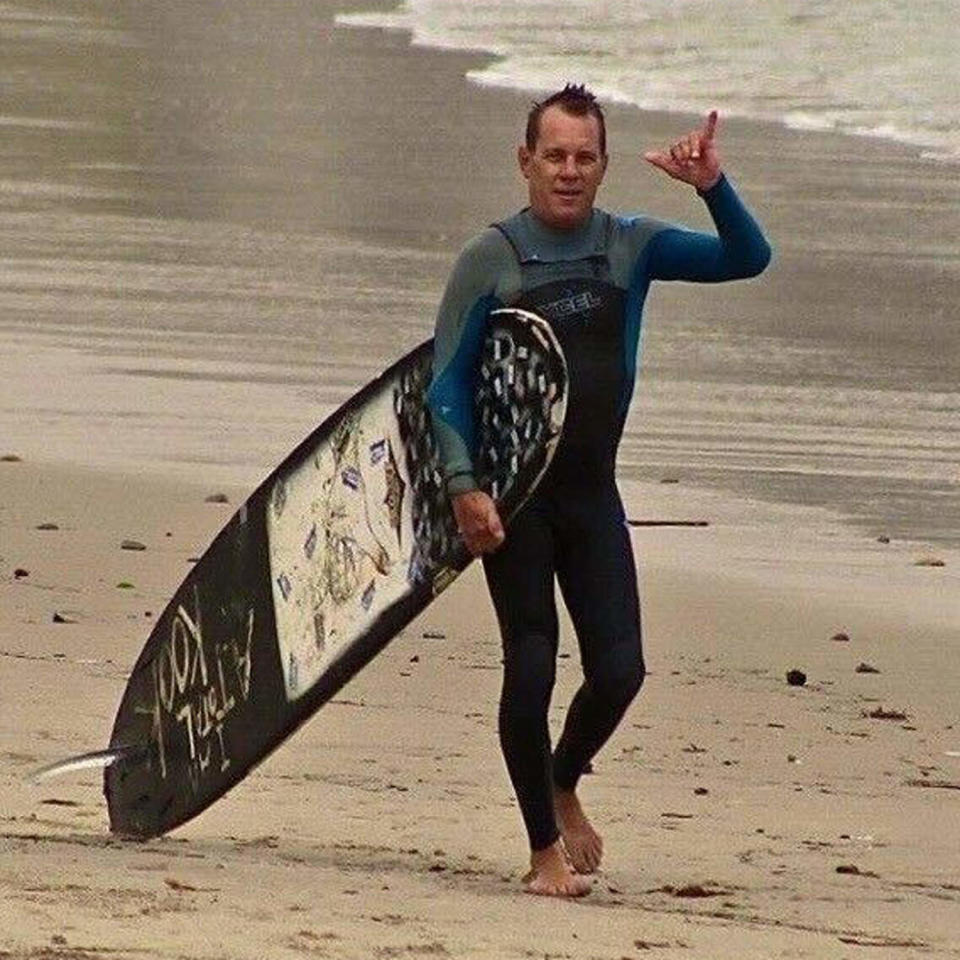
(590, 285)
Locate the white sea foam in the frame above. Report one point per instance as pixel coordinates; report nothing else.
(881, 68)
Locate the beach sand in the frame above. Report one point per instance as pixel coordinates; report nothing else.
(743, 817)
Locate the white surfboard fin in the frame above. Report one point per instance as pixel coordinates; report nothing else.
(84, 761)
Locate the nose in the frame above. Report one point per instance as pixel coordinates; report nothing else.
(569, 168)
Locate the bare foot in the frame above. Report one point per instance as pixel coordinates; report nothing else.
(552, 876)
(584, 845)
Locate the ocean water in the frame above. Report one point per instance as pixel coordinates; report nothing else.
(212, 232)
(851, 409)
(881, 68)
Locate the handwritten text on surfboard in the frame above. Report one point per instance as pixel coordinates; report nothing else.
(197, 685)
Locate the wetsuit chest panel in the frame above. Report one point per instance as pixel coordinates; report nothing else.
(587, 315)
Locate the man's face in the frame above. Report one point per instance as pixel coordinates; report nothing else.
(564, 169)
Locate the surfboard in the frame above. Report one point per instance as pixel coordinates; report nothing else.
(335, 552)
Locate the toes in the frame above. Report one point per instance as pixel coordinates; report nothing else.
(572, 886)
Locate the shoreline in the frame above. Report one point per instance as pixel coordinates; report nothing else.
(365, 18)
(835, 243)
(297, 256)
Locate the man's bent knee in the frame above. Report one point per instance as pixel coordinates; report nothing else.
(617, 684)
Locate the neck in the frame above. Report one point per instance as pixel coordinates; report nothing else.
(560, 228)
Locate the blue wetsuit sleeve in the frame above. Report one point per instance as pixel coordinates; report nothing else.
(738, 251)
(461, 324)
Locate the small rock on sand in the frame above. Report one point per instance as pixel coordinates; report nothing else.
(217, 498)
(929, 562)
(796, 678)
(63, 618)
(866, 668)
(47, 526)
(132, 545)
(853, 870)
(11, 458)
(20, 573)
(881, 713)
(841, 638)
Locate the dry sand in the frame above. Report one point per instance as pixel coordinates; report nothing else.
(744, 818)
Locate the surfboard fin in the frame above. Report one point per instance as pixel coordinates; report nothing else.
(84, 761)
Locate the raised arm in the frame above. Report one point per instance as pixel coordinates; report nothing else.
(739, 249)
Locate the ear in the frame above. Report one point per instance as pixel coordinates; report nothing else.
(524, 158)
(603, 166)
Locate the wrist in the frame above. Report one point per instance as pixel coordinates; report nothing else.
(705, 188)
(460, 483)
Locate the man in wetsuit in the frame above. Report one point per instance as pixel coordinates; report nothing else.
(587, 273)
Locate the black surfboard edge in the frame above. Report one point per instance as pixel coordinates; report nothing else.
(361, 651)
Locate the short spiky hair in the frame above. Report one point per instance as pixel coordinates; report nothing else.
(574, 98)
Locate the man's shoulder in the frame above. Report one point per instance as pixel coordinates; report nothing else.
(489, 242)
(484, 260)
(636, 222)
(487, 247)
(630, 234)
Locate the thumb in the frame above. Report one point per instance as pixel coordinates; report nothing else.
(496, 525)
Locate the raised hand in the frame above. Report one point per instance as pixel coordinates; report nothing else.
(693, 158)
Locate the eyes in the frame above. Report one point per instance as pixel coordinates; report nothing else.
(583, 159)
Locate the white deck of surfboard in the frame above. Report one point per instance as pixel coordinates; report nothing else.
(340, 540)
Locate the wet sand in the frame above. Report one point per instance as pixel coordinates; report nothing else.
(743, 817)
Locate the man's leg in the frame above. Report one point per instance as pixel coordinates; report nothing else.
(598, 578)
(520, 576)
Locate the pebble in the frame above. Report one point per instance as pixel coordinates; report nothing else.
(217, 498)
(929, 562)
(866, 668)
(62, 618)
(11, 458)
(20, 573)
(840, 638)
(47, 526)
(796, 678)
(132, 545)
(883, 539)
(434, 635)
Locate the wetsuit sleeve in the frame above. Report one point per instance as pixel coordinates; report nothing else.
(738, 251)
(461, 323)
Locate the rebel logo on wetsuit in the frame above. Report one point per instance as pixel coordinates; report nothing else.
(570, 305)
